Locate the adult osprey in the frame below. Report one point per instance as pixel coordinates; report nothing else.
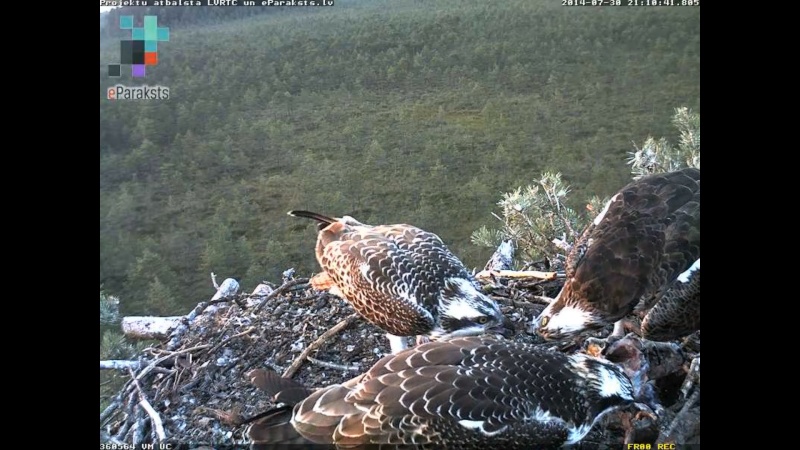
(466, 393)
(402, 279)
(647, 234)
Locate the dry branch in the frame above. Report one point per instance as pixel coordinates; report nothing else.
(489, 274)
(331, 365)
(116, 364)
(147, 327)
(289, 372)
(158, 425)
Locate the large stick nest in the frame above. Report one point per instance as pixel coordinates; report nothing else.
(198, 389)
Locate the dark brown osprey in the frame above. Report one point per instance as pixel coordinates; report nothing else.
(677, 313)
(402, 279)
(466, 393)
(647, 235)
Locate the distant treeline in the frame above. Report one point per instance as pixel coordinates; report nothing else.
(387, 110)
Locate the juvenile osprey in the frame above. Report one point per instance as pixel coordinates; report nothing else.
(402, 279)
(677, 313)
(465, 393)
(646, 235)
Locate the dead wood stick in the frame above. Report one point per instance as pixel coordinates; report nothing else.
(331, 365)
(488, 274)
(283, 288)
(289, 372)
(149, 327)
(116, 364)
(158, 425)
(116, 402)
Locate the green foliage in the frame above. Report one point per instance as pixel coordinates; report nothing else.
(109, 310)
(113, 345)
(388, 110)
(658, 156)
(532, 216)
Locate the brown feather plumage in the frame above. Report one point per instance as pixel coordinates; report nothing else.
(432, 396)
(648, 234)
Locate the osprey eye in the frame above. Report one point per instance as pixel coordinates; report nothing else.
(482, 320)
(544, 321)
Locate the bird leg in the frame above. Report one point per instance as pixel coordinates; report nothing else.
(421, 339)
(397, 343)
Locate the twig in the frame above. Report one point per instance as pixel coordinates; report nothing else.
(138, 428)
(488, 274)
(111, 408)
(154, 417)
(289, 372)
(214, 280)
(228, 339)
(156, 362)
(283, 288)
(331, 365)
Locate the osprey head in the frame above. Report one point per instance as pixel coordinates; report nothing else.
(562, 321)
(465, 311)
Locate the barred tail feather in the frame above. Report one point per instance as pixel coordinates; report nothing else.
(312, 215)
(274, 427)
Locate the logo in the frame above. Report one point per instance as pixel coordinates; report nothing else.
(141, 50)
(120, 92)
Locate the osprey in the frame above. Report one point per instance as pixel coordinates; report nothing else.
(470, 392)
(647, 234)
(402, 279)
(677, 313)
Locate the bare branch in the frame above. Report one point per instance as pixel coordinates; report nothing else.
(488, 274)
(289, 372)
(331, 365)
(158, 425)
(116, 364)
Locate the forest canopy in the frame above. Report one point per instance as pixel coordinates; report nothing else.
(389, 111)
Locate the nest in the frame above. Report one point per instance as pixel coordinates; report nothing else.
(192, 390)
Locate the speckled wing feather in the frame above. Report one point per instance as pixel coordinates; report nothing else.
(681, 250)
(621, 252)
(391, 274)
(677, 312)
(464, 393)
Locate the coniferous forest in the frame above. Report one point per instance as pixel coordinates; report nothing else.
(392, 111)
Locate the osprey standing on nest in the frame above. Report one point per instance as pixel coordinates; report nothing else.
(402, 279)
(647, 235)
(466, 393)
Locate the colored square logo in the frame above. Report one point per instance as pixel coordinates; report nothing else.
(125, 22)
(142, 48)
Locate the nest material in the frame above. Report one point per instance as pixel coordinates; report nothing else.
(197, 384)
